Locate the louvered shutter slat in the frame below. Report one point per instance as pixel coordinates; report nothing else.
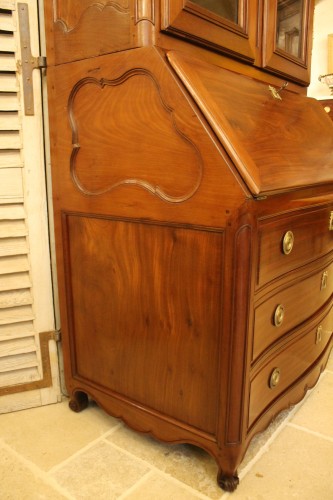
(15, 281)
(8, 82)
(9, 158)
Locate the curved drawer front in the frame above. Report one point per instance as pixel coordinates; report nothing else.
(286, 243)
(290, 362)
(290, 307)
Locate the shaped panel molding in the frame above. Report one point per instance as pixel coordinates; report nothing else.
(83, 29)
(123, 132)
(70, 13)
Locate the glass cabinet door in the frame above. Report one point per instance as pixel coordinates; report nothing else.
(227, 9)
(286, 45)
(289, 27)
(229, 26)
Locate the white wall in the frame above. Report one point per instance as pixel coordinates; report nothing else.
(323, 25)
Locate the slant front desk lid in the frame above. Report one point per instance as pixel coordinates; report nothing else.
(277, 143)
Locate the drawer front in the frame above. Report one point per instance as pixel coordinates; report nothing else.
(290, 307)
(286, 243)
(290, 362)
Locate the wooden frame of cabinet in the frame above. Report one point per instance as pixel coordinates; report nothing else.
(190, 201)
(280, 61)
(197, 24)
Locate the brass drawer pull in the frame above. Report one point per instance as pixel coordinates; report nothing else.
(274, 379)
(320, 332)
(323, 283)
(330, 224)
(288, 242)
(278, 315)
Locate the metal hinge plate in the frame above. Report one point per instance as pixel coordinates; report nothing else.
(29, 62)
(57, 335)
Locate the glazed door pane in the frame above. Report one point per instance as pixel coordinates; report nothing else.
(227, 9)
(228, 26)
(286, 45)
(289, 29)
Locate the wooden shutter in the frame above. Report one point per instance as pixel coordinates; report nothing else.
(26, 309)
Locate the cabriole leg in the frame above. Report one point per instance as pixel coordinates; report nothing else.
(227, 483)
(78, 401)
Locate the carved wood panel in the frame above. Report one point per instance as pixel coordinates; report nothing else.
(83, 28)
(123, 132)
(124, 136)
(70, 12)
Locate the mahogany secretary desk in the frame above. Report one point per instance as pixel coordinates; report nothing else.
(193, 205)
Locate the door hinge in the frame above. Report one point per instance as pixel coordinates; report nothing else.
(28, 62)
(39, 62)
(57, 335)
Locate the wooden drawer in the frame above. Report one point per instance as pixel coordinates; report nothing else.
(289, 307)
(289, 362)
(311, 237)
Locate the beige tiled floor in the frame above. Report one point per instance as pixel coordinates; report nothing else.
(52, 453)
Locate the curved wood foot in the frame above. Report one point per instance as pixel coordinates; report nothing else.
(227, 483)
(78, 401)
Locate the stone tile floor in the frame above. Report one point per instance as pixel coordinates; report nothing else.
(52, 453)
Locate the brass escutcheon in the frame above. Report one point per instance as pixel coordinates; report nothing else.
(274, 378)
(278, 315)
(288, 242)
(276, 92)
